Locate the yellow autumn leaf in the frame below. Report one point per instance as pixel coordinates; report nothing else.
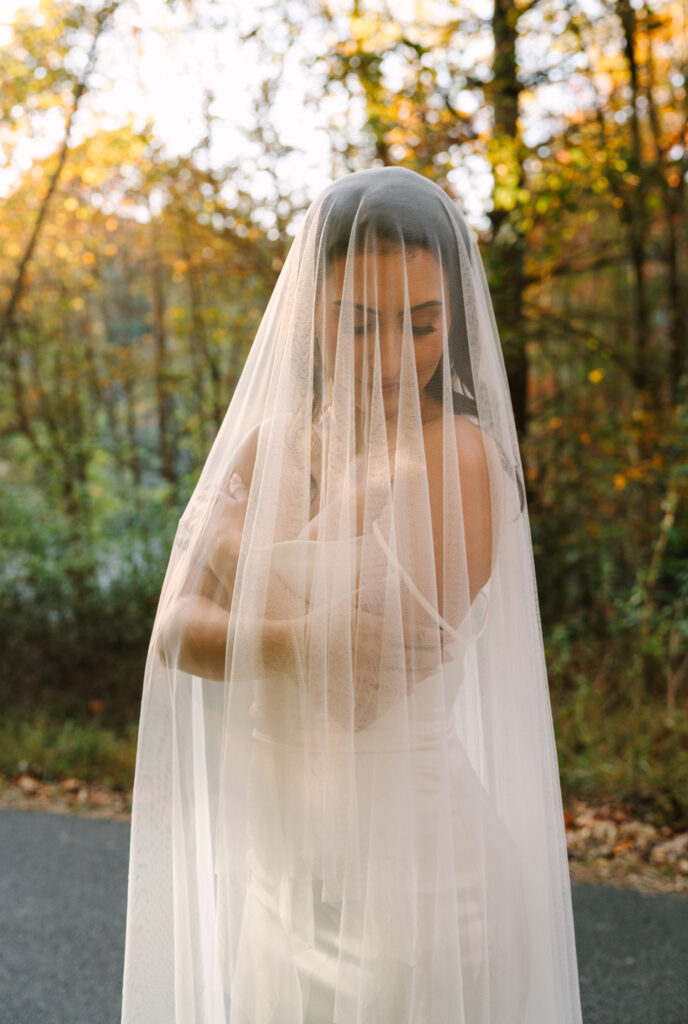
(395, 136)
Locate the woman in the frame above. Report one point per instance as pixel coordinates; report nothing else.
(346, 805)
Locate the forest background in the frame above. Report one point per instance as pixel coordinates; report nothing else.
(133, 276)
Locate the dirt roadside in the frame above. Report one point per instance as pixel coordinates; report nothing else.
(606, 844)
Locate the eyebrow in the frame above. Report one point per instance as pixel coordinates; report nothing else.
(430, 304)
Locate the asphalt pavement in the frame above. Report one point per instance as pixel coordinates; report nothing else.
(63, 883)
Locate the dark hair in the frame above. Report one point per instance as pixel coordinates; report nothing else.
(393, 206)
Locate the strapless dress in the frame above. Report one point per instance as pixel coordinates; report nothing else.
(303, 948)
(296, 561)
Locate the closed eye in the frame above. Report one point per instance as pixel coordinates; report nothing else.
(360, 329)
(418, 330)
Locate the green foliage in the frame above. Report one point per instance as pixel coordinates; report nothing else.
(148, 281)
(611, 750)
(53, 749)
(77, 613)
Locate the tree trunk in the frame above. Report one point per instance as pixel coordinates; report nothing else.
(673, 195)
(635, 214)
(507, 254)
(166, 451)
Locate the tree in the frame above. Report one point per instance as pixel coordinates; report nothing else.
(61, 19)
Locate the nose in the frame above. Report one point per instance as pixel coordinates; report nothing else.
(390, 353)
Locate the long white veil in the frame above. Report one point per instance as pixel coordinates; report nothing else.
(347, 803)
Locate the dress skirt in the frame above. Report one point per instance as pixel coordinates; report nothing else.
(415, 913)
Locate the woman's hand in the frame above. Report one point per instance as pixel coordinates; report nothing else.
(414, 651)
(385, 667)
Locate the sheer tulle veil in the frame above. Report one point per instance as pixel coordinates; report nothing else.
(347, 803)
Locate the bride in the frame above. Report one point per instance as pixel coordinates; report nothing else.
(346, 803)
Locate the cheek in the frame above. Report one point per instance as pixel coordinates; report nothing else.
(330, 332)
(428, 354)
(329, 340)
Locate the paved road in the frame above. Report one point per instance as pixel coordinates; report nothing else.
(62, 912)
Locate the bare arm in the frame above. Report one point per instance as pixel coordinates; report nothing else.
(475, 499)
(205, 576)
(197, 636)
(196, 631)
(476, 512)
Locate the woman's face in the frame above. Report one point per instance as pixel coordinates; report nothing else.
(384, 287)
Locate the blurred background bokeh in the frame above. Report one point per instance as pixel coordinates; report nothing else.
(156, 158)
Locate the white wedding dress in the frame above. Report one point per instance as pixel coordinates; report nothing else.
(295, 948)
(345, 810)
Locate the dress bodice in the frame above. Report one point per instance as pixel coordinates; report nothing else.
(422, 718)
(295, 562)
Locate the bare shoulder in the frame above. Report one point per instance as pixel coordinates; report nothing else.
(476, 511)
(244, 456)
(470, 441)
(472, 457)
(467, 431)
(470, 444)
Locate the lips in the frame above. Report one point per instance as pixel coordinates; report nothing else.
(387, 386)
